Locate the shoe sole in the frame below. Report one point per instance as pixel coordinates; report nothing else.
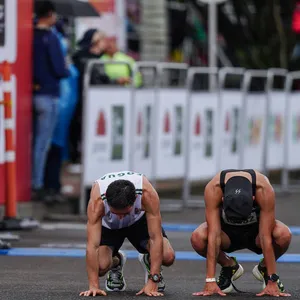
(141, 260)
(258, 276)
(235, 277)
(124, 258)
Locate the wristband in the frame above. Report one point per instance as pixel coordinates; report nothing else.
(210, 280)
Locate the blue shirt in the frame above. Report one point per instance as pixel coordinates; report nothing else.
(48, 63)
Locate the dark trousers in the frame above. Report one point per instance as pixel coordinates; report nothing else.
(53, 169)
(75, 135)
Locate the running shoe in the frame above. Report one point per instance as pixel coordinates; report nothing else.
(145, 262)
(115, 281)
(261, 274)
(228, 275)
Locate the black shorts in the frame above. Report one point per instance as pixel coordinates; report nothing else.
(242, 237)
(137, 234)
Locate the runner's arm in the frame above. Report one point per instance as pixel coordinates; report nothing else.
(152, 209)
(212, 197)
(94, 227)
(266, 199)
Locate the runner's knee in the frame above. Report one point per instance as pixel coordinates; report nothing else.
(283, 236)
(169, 257)
(199, 239)
(105, 263)
(104, 266)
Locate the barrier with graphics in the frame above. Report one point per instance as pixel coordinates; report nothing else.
(158, 131)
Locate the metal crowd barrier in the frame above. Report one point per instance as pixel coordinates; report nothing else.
(177, 133)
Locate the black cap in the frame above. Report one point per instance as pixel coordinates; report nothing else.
(238, 198)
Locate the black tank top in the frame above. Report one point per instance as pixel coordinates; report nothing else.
(254, 216)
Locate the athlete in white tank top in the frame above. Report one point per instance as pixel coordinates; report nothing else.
(110, 220)
(117, 201)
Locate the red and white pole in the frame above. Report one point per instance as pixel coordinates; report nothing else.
(10, 148)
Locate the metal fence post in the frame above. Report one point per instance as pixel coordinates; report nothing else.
(166, 205)
(285, 182)
(271, 73)
(186, 184)
(249, 74)
(138, 67)
(223, 73)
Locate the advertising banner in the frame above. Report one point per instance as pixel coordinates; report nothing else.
(229, 129)
(203, 124)
(254, 133)
(8, 30)
(107, 132)
(275, 144)
(170, 135)
(144, 101)
(294, 131)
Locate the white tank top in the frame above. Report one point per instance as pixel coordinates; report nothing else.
(111, 220)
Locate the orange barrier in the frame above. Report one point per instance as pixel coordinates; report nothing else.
(10, 152)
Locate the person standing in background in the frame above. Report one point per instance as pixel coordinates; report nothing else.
(66, 106)
(49, 67)
(117, 71)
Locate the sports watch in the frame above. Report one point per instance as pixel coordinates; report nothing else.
(155, 278)
(273, 277)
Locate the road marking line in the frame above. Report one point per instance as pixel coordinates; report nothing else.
(132, 254)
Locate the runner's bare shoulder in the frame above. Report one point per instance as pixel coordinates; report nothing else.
(213, 191)
(262, 181)
(95, 206)
(150, 197)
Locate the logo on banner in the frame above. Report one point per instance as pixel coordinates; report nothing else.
(147, 122)
(235, 129)
(227, 122)
(117, 132)
(178, 130)
(197, 138)
(101, 124)
(167, 126)
(276, 128)
(296, 128)
(139, 124)
(255, 128)
(167, 142)
(209, 130)
(197, 127)
(100, 142)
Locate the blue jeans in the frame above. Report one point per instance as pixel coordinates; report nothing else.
(45, 109)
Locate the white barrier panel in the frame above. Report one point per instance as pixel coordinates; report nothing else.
(294, 132)
(253, 139)
(203, 137)
(107, 132)
(170, 135)
(276, 125)
(230, 129)
(144, 101)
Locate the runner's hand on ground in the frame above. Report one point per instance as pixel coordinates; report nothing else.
(272, 290)
(210, 289)
(150, 289)
(93, 292)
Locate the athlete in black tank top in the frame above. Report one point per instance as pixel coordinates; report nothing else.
(240, 214)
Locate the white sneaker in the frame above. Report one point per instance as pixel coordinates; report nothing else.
(115, 281)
